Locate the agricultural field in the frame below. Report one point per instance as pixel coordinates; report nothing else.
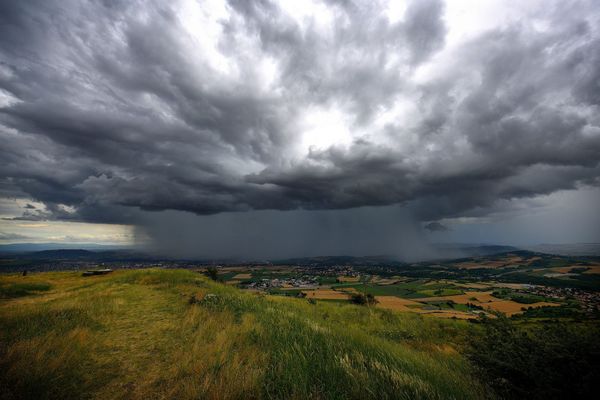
(508, 284)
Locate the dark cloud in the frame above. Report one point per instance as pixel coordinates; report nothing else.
(436, 227)
(277, 234)
(109, 108)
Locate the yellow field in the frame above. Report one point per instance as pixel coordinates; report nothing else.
(486, 264)
(513, 260)
(593, 270)
(565, 270)
(343, 279)
(326, 294)
(395, 303)
(243, 276)
(486, 300)
(384, 282)
(480, 297)
(436, 282)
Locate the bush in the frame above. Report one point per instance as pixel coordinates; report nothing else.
(362, 299)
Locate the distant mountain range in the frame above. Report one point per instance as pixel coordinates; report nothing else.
(95, 252)
(31, 247)
(575, 249)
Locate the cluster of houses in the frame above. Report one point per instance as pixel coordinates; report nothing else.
(303, 282)
(590, 301)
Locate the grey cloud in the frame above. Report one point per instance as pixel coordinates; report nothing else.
(424, 30)
(276, 234)
(12, 236)
(117, 108)
(436, 227)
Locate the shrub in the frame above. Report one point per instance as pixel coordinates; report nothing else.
(212, 273)
(363, 299)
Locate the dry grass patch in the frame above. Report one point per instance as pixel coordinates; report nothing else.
(593, 270)
(565, 270)
(483, 264)
(326, 294)
(396, 303)
(385, 282)
(345, 279)
(242, 276)
(513, 260)
(345, 289)
(468, 297)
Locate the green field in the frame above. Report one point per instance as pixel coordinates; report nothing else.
(409, 290)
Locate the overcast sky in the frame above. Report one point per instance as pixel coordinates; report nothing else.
(261, 128)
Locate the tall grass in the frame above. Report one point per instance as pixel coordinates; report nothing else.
(9, 290)
(135, 334)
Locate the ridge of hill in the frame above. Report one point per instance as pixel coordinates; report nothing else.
(175, 334)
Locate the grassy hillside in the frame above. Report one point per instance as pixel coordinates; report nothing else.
(156, 334)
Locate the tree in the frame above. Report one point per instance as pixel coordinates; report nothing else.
(212, 273)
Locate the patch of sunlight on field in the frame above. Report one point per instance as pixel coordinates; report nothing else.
(467, 297)
(396, 303)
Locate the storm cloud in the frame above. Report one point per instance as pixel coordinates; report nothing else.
(112, 107)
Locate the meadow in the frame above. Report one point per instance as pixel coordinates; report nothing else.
(175, 334)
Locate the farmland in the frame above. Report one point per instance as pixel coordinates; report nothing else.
(466, 289)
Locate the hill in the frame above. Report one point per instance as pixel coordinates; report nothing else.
(157, 333)
(174, 334)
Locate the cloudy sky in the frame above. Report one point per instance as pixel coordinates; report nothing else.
(259, 128)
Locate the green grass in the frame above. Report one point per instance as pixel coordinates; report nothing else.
(327, 280)
(135, 334)
(440, 292)
(410, 290)
(9, 290)
(523, 298)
